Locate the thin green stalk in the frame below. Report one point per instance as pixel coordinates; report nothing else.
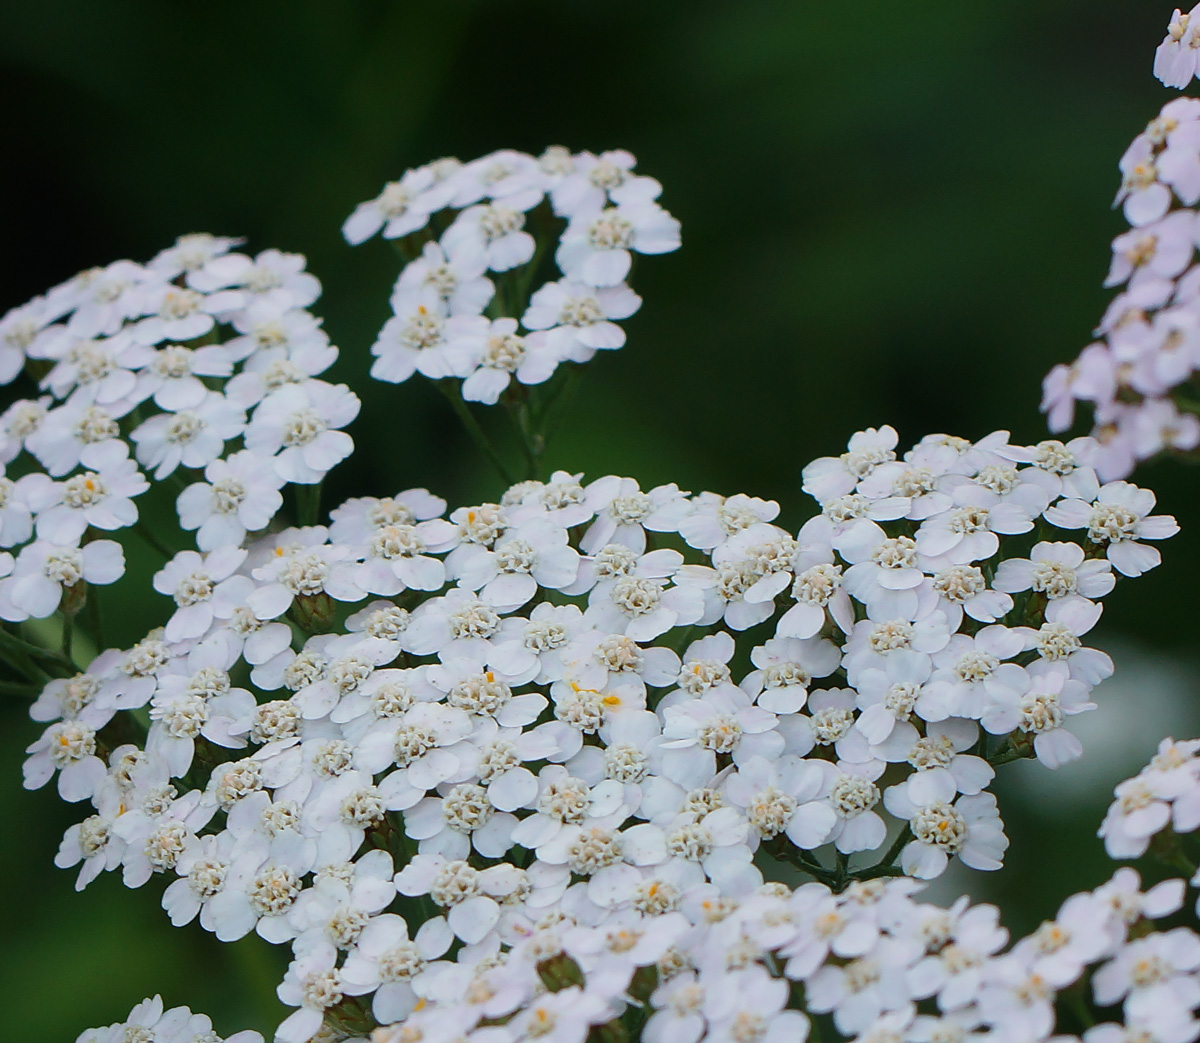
(553, 410)
(95, 624)
(15, 688)
(814, 868)
(308, 503)
(454, 396)
(1010, 752)
(524, 278)
(841, 876)
(18, 644)
(1166, 848)
(178, 481)
(1077, 1000)
(531, 441)
(886, 865)
(143, 530)
(21, 663)
(258, 968)
(68, 638)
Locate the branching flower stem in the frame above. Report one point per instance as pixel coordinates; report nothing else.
(453, 393)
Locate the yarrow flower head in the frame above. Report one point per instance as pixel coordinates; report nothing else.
(519, 770)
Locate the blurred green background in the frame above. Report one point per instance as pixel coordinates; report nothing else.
(892, 213)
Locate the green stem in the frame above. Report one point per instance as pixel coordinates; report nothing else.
(814, 869)
(308, 503)
(94, 620)
(258, 969)
(18, 644)
(780, 848)
(1166, 848)
(841, 876)
(553, 411)
(68, 638)
(524, 279)
(453, 394)
(532, 443)
(1012, 750)
(143, 530)
(1077, 1000)
(885, 866)
(21, 663)
(179, 481)
(15, 688)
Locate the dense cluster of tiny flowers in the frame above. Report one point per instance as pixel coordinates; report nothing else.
(205, 363)
(405, 737)
(1139, 377)
(459, 223)
(879, 965)
(149, 1023)
(522, 770)
(1162, 799)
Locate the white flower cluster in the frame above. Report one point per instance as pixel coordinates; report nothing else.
(508, 773)
(457, 222)
(1162, 799)
(1175, 61)
(1139, 378)
(405, 743)
(881, 966)
(149, 1023)
(174, 360)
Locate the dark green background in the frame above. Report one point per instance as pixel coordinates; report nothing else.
(892, 213)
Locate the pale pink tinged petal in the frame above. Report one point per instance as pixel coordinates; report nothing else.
(1148, 204)
(1174, 65)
